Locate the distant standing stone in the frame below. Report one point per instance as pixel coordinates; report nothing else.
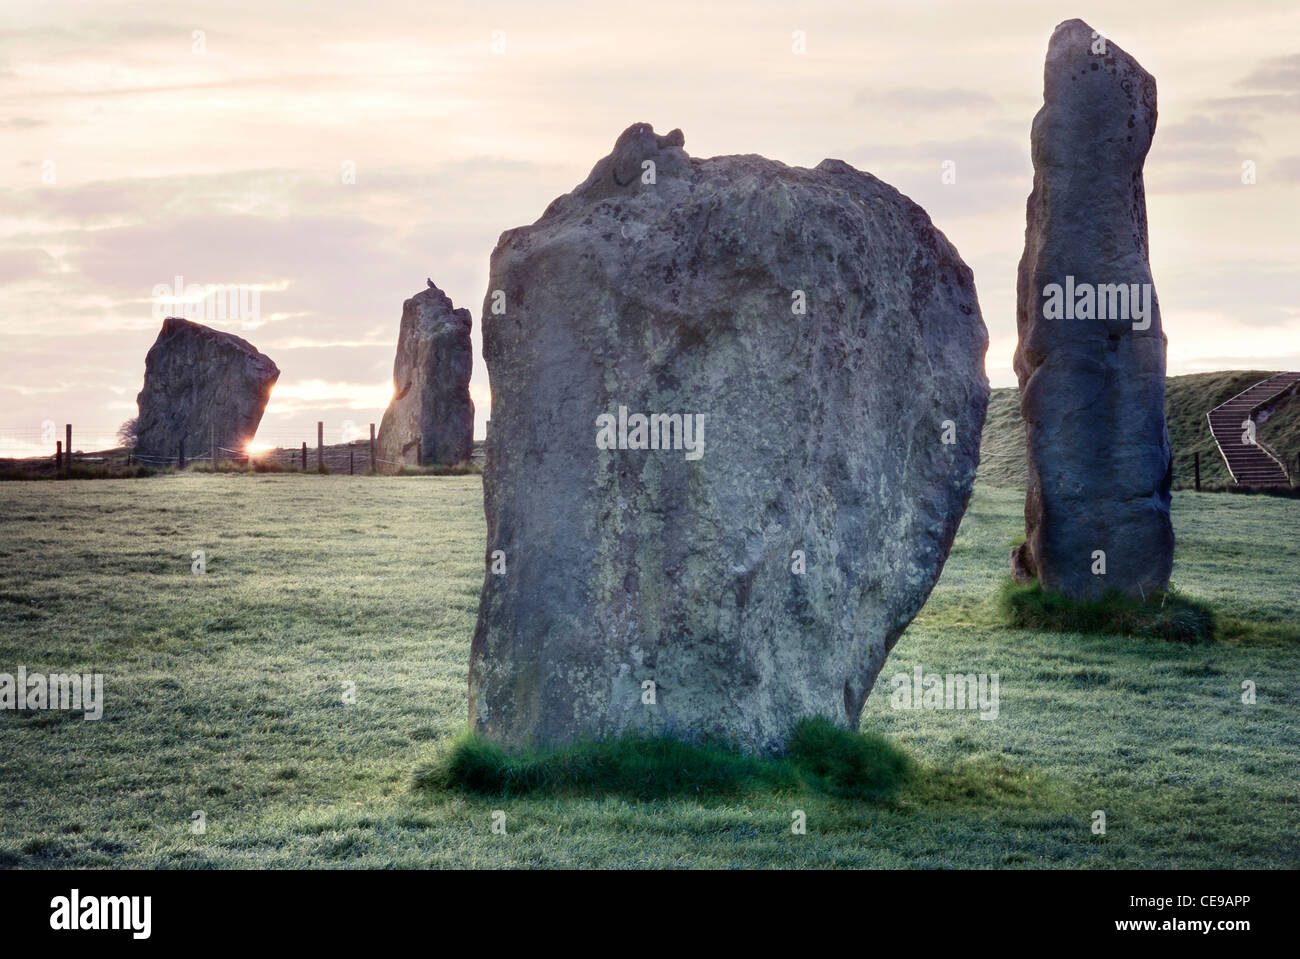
(197, 379)
(431, 414)
(1091, 356)
(736, 418)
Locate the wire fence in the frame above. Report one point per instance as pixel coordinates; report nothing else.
(344, 449)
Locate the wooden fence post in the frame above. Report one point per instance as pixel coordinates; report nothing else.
(372, 448)
(180, 456)
(58, 455)
(67, 444)
(320, 444)
(304, 456)
(419, 451)
(1196, 460)
(213, 430)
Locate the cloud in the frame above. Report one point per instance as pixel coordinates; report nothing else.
(1260, 103)
(989, 158)
(19, 265)
(1205, 130)
(925, 99)
(1287, 168)
(1203, 152)
(1277, 73)
(333, 279)
(1273, 292)
(987, 174)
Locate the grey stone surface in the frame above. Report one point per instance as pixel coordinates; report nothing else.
(667, 284)
(1092, 387)
(197, 379)
(431, 374)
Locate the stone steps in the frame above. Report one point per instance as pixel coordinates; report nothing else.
(1249, 464)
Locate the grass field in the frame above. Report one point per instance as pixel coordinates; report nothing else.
(225, 693)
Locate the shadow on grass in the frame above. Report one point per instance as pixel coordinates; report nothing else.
(1263, 629)
(988, 781)
(453, 469)
(820, 757)
(1166, 615)
(78, 472)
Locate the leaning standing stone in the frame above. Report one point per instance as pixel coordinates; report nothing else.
(200, 384)
(736, 418)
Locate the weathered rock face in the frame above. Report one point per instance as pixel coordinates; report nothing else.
(819, 346)
(431, 415)
(1091, 357)
(197, 379)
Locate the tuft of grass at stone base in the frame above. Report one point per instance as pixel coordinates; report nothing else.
(847, 764)
(820, 757)
(1165, 615)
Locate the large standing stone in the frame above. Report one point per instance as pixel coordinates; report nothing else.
(1091, 365)
(196, 380)
(828, 337)
(431, 415)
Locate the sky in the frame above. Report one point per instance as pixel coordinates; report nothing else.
(328, 157)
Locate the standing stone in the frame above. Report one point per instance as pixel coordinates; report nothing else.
(1091, 356)
(810, 353)
(197, 380)
(431, 414)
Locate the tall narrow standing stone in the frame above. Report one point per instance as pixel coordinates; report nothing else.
(1091, 357)
(736, 418)
(431, 415)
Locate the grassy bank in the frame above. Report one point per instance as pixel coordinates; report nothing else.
(1187, 400)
